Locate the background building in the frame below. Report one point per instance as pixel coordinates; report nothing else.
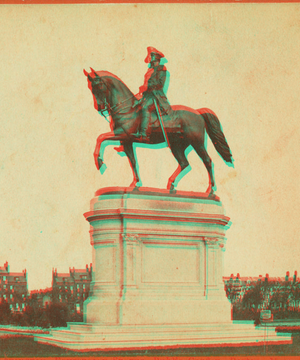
(72, 288)
(278, 294)
(40, 298)
(13, 288)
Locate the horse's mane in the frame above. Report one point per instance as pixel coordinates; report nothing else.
(106, 75)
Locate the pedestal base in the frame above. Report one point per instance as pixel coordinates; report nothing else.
(157, 282)
(157, 259)
(92, 337)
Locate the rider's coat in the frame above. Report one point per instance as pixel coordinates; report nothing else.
(154, 82)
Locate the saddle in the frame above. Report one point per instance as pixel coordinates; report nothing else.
(170, 121)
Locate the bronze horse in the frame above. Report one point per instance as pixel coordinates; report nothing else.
(184, 127)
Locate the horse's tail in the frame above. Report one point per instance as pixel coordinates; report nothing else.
(214, 130)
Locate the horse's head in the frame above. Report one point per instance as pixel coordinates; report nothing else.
(99, 89)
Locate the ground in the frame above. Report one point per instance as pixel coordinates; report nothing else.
(27, 347)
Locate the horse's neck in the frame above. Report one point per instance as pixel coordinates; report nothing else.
(119, 94)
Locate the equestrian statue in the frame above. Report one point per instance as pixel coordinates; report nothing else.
(149, 118)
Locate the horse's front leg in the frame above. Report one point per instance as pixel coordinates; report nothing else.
(117, 135)
(97, 156)
(132, 160)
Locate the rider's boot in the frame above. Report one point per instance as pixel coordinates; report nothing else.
(143, 133)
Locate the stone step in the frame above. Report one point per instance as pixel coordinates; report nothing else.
(91, 338)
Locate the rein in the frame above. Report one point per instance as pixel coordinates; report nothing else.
(112, 109)
(121, 102)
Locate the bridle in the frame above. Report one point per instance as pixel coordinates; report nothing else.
(105, 105)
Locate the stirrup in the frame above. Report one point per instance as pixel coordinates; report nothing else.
(145, 138)
(141, 138)
(136, 135)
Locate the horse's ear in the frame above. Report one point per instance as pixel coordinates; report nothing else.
(88, 76)
(94, 72)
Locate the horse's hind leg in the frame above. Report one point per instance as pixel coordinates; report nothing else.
(178, 150)
(201, 151)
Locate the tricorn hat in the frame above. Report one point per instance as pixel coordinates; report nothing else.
(151, 50)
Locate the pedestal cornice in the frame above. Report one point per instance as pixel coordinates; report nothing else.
(153, 206)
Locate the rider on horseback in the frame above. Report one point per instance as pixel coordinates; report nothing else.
(151, 90)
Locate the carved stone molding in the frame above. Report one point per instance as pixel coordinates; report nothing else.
(211, 241)
(132, 238)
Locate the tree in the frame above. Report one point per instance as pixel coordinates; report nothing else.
(295, 294)
(5, 313)
(58, 315)
(254, 297)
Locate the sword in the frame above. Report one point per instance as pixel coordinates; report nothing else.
(161, 123)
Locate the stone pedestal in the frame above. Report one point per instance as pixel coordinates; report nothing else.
(158, 267)
(158, 260)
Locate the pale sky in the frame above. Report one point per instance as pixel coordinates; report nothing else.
(240, 60)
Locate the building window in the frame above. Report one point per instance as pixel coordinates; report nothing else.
(4, 286)
(11, 307)
(23, 295)
(11, 287)
(17, 306)
(4, 296)
(10, 296)
(4, 278)
(59, 296)
(23, 305)
(78, 308)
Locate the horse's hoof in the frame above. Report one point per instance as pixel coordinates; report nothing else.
(99, 162)
(135, 185)
(135, 188)
(172, 189)
(102, 167)
(210, 191)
